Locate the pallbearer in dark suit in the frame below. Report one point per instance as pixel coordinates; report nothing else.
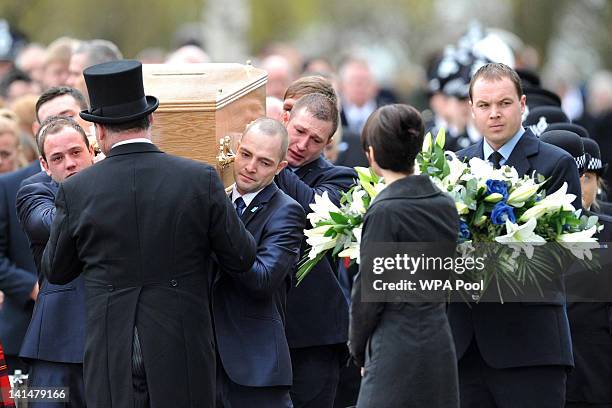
(317, 311)
(514, 354)
(17, 270)
(249, 309)
(55, 340)
(143, 228)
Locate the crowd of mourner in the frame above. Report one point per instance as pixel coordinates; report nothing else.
(130, 277)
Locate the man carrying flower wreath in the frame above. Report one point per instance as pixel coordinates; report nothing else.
(513, 354)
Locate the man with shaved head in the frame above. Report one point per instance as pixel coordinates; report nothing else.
(254, 368)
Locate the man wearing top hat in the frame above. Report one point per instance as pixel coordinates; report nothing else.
(145, 229)
(513, 354)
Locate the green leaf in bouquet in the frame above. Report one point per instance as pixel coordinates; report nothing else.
(338, 218)
(479, 212)
(347, 197)
(432, 171)
(440, 161)
(373, 176)
(471, 187)
(339, 246)
(331, 232)
(306, 266)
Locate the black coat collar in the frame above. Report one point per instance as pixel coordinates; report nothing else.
(414, 186)
(139, 147)
(318, 163)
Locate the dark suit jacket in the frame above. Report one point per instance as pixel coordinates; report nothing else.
(317, 311)
(249, 309)
(17, 270)
(521, 334)
(57, 329)
(591, 323)
(142, 226)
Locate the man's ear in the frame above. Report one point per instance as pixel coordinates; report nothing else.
(44, 165)
(285, 117)
(35, 127)
(330, 140)
(281, 166)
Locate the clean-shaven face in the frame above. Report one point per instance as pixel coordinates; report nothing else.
(66, 154)
(308, 136)
(257, 162)
(497, 110)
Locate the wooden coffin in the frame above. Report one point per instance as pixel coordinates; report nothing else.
(201, 104)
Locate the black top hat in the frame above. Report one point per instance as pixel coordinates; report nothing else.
(116, 93)
(595, 164)
(572, 127)
(570, 142)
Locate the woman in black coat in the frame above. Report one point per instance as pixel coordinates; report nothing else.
(405, 348)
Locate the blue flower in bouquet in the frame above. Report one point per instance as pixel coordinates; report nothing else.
(502, 212)
(464, 231)
(497, 186)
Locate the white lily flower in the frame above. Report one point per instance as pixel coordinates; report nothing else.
(357, 203)
(462, 209)
(509, 173)
(427, 142)
(351, 251)
(319, 243)
(317, 231)
(580, 243)
(557, 200)
(457, 168)
(522, 193)
(533, 213)
(357, 233)
(321, 209)
(494, 198)
(521, 237)
(481, 169)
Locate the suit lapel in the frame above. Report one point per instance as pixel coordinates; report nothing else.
(258, 203)
(524, 149)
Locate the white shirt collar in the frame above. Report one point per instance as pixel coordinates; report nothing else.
(506, 149)
(248, 197)
(135, 140)
(356, 115)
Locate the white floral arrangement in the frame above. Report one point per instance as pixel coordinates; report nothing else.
(494, 206)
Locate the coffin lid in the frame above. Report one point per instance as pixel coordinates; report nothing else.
(200, 87)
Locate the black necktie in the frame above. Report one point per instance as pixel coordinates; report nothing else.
(495, 158)
(240, 206)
